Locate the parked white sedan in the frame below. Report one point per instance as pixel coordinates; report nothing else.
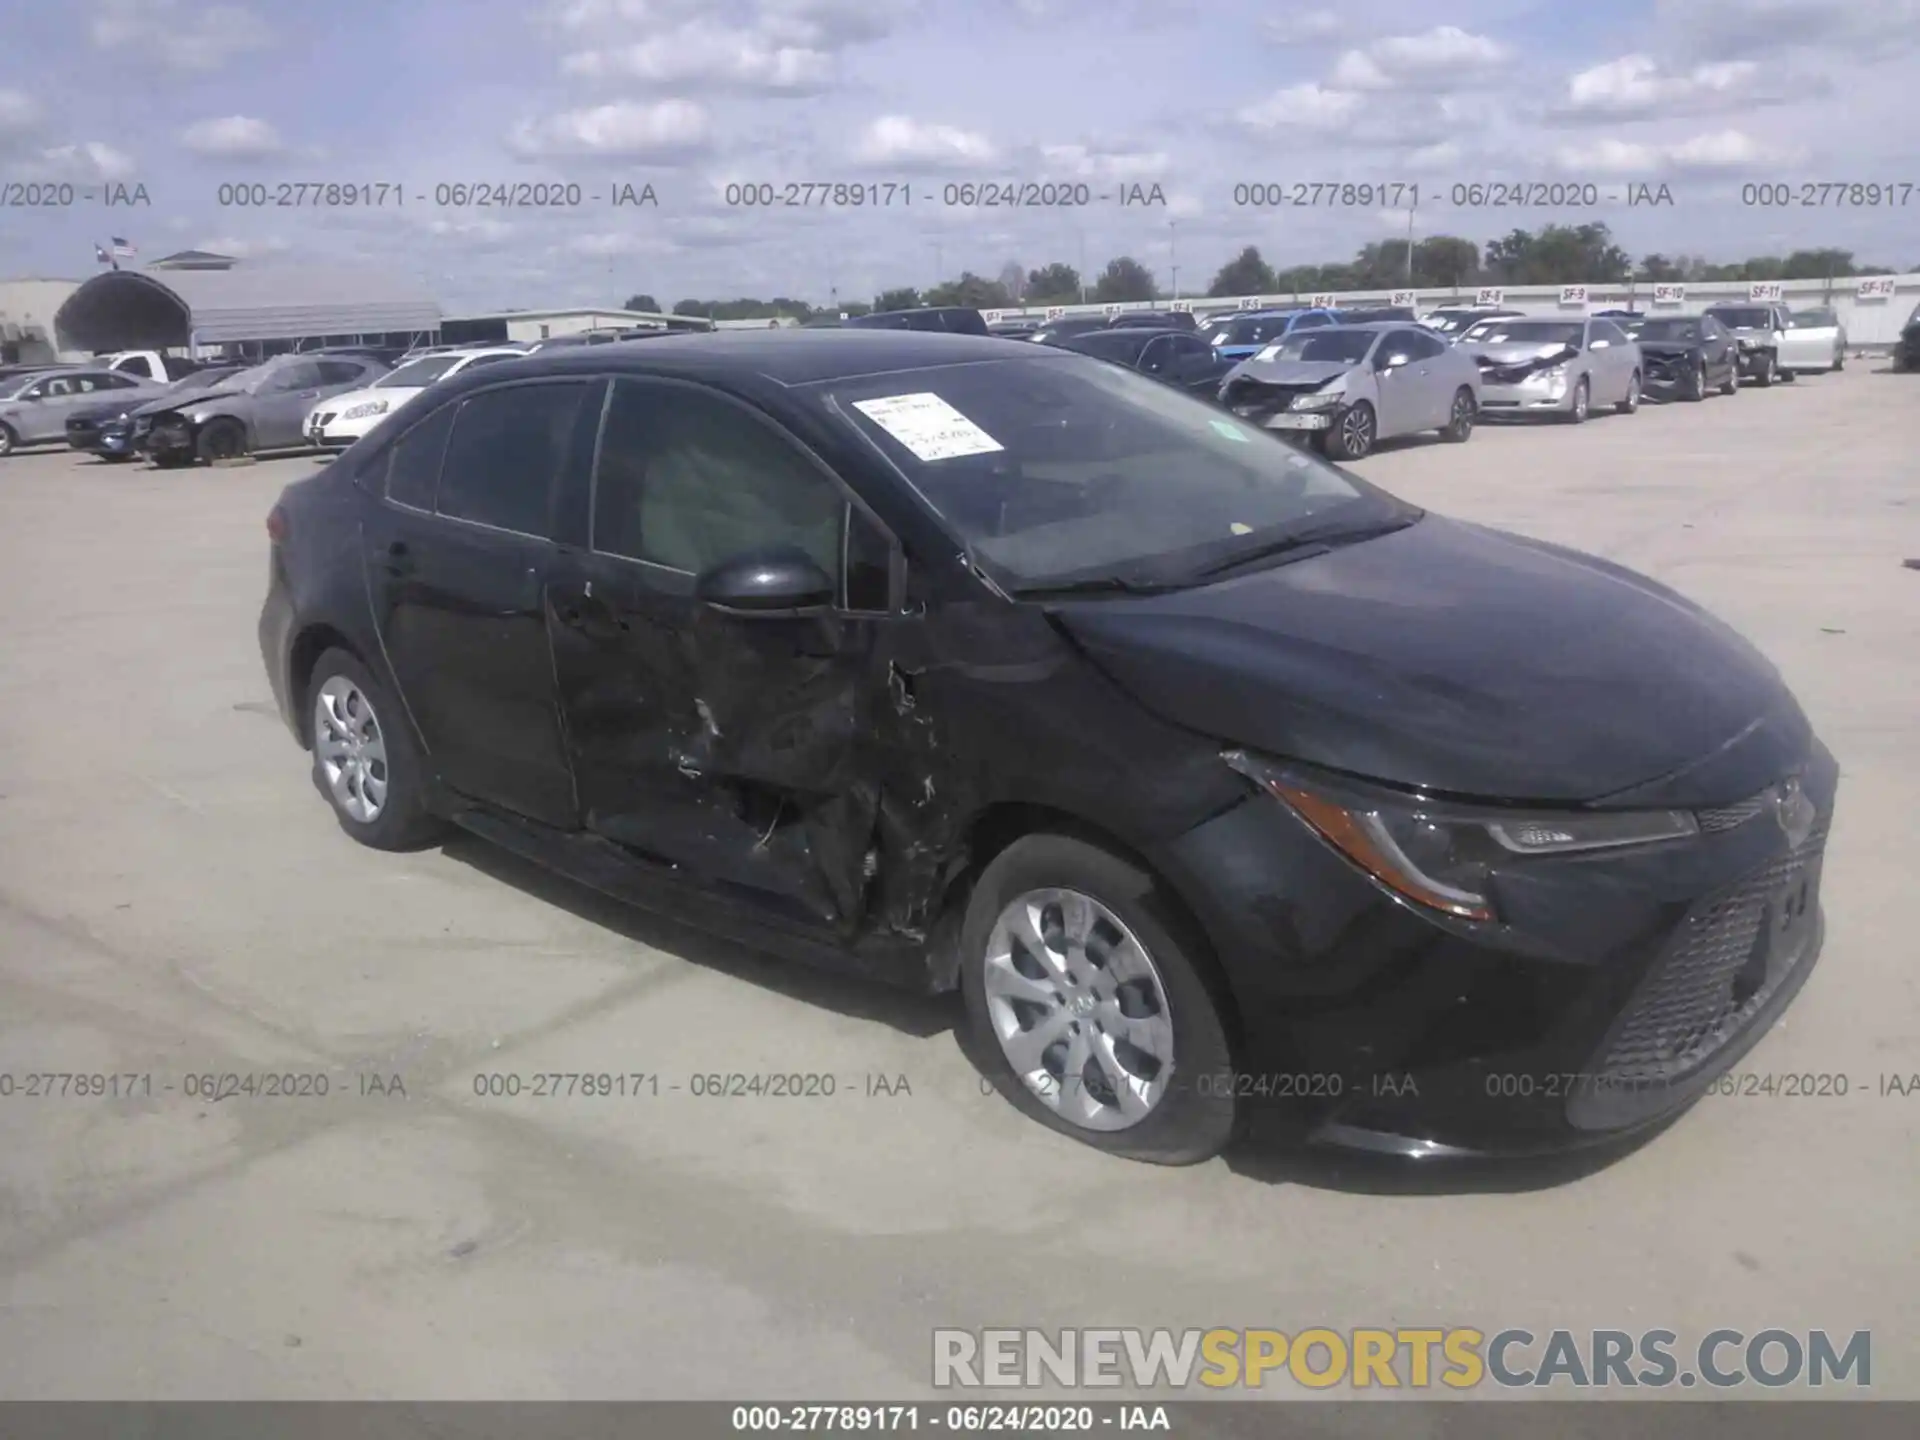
(1816, 341)
(339, 420)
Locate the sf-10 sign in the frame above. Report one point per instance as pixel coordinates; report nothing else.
(1669, 294)
(1056, 312)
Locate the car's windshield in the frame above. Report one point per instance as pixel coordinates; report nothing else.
(1753, 318)
(1056, 470)
(1813, 319)
(1688, 330)
(204, 379)
(1529, 332)
(1254, 330)
(1345, 346)
(418, 374)
(1448, 322)
(1120, 344)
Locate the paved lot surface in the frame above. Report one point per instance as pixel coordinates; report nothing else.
(175, 900)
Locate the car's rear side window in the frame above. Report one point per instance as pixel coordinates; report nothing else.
(508, 448)
(413, 461)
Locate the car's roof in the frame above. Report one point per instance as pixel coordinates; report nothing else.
(1364, 326)
(788, 356)
(1136, 332)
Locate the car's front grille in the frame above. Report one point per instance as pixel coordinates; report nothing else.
(1702, 991)
(1667, 367)
(1727, 817)
(81, 428)
(1257, 399)
(324, 418)
(1505, 374)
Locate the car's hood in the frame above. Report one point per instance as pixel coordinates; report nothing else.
(1669, 347)
(1518, 352)
(394, 395)
(1291, 372)
(1460, 659)
(187, 404)
(1754, 330)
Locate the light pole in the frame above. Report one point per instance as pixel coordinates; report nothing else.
(1173, 255)
(1083, 267)
(1410, 210)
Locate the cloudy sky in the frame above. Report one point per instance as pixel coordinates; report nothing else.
(689, 96)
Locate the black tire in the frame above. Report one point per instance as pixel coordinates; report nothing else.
(1194, 1119)
(1459, 428)
(1354, 431)
(221, 439)
(1789, 376)
(171, 461)
(1840, 362)
(1767, 372)
(1696, 383)
(403, 821)
(9, 439)
(1632, 402)
(114, 459)
(1731, 386)
(1576, 413)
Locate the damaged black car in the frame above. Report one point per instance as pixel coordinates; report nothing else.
(1685, 356)
(1221, 784)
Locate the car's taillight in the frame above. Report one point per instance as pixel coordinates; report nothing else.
(277, 525)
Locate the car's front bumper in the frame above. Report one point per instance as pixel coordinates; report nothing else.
(1756, 362)
(1663, 375)
(275, 631)
(1616, 988)
(1526, 398)
(329, 431)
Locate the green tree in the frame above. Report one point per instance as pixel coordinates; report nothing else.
(1125, 278)
(1013, 280)
(1054, 284)
(971, 289)
(642, 302)
(693, 307)
(906, 298)
(1659, 270)
(1295, 280)
(855, 307)
(1817, 264)
(1558, 255)
(1444, 260)
(1245, 274)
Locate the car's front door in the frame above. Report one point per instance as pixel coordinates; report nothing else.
(1397, 383)
(1432, 382)
(1716, 348)
(1194, 366)
(749, 750)
(281, 402)
(457, 570)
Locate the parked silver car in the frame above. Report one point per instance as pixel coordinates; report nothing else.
(1348, 387)
(1760, 330)
(1814, 341)
(1561, 368)
(34, 408)
(264, 408)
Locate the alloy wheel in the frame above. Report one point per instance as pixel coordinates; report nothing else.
(1079, 1009)
(6, 440)
(1356, 430)
(1462, 415)
(351, 749)
(1580, 394)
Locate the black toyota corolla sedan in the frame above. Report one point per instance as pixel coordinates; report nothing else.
(1213, 777)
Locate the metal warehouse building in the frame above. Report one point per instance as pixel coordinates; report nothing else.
(261, 309)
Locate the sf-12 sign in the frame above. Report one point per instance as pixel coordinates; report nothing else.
(1876, 287)
(1402, 300)
(1669, 294)
(1490, 295)
(1325, 300)
(1573, 294)
(1056, 312)
(1764, 290)
(1249, 302)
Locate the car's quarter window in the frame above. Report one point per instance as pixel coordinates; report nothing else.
(1189, 347)
(1608, 331)
(1157, 354)
(689, 479)
(137, 365)
(1422, 345)
(506, 452)
(340, 372)
(299, 375)
(413, 461)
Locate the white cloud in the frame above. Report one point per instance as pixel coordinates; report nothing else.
(667, 130)
(610, 243)
(82, 162)
(241, 249)
(1856, 31)
(1637, 87)
(899, 140)
(1313, 28)
(704, 55)
(19, 115)
(233, 137)
(1722, 151)
(177, 34)
(1446, 57)
(1081, 162)
(1437, 156)
(1301, 107)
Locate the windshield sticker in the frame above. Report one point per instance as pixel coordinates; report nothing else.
(1237, 528)
(928, 426)
(1230, 430)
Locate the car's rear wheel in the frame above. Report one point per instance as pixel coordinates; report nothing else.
(1460, 417)
(9, 439)
(1576, 412)
(1088, 1005)
(364, 761)
(1632, 401)
(1839, 360)
(221, 440)
(1789, 375)
(171, 461)
(1353, 433)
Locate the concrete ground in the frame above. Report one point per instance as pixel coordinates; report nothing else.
(176, 901)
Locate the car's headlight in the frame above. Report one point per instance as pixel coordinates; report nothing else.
(372, 407)
(1439, 854)
(1319, 399)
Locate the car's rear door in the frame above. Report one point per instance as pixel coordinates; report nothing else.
(279, 406)
(457, 571)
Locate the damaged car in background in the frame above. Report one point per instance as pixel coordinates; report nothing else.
(1557, 368)
(108, 430)
(1189, 759)
(1347, 388)
(258, 409)
(1759, 332)
(1682, 357)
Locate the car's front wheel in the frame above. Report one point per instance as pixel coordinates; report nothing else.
(364, 761)
(1576, 411)
(1631, 401)
(9, 439)
(222, 440)
(1087, 1003)
(1353, 433)
(1767, 370)
(1696, 383)
(1731, 385)
(1460, 418)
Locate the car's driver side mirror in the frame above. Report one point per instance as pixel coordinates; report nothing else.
(766, 583)
(1396, 360)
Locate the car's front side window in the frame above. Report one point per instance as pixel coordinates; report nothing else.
(689, 479)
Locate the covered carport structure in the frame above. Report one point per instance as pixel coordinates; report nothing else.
(271, 308)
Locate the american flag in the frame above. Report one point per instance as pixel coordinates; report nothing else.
(101, 256)
(123, 249)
